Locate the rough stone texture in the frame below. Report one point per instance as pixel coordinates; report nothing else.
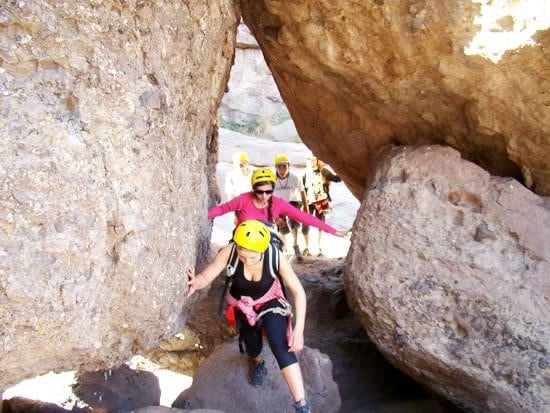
(105, 126)
(359, 75)
(253, 103)
(221, 383)
(448, 271)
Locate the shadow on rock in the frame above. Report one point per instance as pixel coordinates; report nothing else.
(117, 390)
(366, 380)
(23, 405)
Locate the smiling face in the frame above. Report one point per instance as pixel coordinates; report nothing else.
(247, 257)
(263, 191)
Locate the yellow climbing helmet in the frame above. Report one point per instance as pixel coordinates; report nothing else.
(281, 158)
(252, 235)
(243, 156)
(263, 175)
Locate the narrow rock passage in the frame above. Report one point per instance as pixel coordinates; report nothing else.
(367, 382)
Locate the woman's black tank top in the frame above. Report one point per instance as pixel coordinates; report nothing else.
(254, 289)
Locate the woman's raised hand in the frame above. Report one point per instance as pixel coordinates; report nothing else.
(342, 233)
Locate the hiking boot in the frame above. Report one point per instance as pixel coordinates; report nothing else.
(306, 253)
(302, 408)
(256, 372)
(298, 254)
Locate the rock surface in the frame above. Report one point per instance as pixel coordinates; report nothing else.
(221, 383)
(360, 75)
(116, 390)
(252, 103)
(105, 129)
(448, 271)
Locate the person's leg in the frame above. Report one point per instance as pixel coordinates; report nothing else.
(294, 225)
(295, 382)
(321, 216)
(282, 227)
(295, 240)
(253, 342)
(305, 232)
(275, 328)
(252, 338)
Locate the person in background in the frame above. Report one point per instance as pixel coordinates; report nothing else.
(237, 180)
(257, 294)
(262, 205)
(316, 180)
(289, 186)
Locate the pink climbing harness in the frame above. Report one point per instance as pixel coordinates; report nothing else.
(249, 307)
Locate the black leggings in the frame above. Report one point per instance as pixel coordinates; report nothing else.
(274, 326)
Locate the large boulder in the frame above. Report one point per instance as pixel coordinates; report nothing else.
(106, 156)
(221, 383)
(360, 75)
(449, 272)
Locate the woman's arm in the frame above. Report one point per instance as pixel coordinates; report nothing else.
(293, 284)
(222, 209)
(285, 209)
(211, 271)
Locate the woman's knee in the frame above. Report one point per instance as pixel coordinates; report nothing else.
(275, 327)
(286, 359)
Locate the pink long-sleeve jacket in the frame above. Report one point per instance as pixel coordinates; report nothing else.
(247, 210)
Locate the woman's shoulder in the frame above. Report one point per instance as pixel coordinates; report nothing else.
(225, 251)
(244, 197)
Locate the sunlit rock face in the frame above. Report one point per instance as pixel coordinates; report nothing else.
(359, 75)
(105, 126)
(253, 104)
(448, 271)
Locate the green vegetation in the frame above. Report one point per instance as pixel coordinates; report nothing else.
(256, 126)
(246, 128)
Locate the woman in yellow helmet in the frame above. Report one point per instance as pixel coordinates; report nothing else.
(237, 180)
(261, 205)
(258, 303)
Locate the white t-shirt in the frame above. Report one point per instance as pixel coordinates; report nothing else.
(289, 188)
(236, 183)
